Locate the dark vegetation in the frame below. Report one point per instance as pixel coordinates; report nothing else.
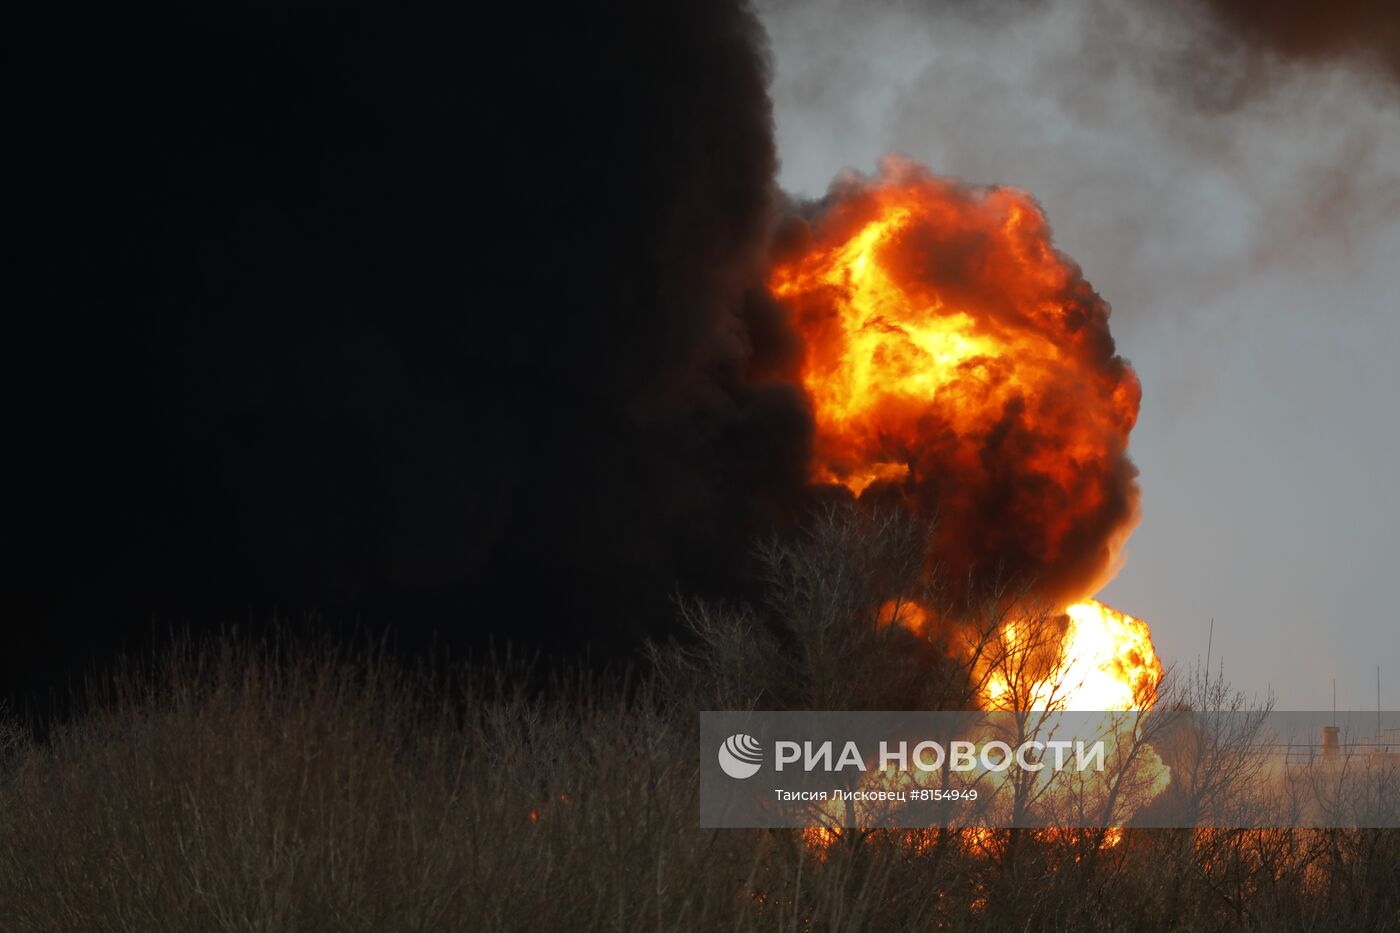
(268, 786)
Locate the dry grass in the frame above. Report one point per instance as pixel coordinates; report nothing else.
(250, 789)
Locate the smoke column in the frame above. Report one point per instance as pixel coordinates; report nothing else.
(440, 320)
(464, 322)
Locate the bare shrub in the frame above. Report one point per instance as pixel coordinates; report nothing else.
(262, 787)
(834, 630)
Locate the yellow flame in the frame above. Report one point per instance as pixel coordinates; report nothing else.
(1107, 662)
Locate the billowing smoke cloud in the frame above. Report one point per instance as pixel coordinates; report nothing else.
(960, 364)
(1240, 209)
(460, 322)
(439, 320)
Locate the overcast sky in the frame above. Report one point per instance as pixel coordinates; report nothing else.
(1242, 216)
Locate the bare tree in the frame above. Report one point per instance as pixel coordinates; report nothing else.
(840, 625)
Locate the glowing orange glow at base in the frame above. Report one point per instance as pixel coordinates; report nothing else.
(1107, 662)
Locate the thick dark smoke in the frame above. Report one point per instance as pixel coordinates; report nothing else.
(451, 321)
(441, 320)
(1367, 30)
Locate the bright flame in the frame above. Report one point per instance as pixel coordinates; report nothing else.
(1106, 662)
(957, 362)
(953, 355)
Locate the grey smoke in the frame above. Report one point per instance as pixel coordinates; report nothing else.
(1240, 208)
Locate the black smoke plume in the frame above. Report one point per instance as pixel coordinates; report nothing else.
(443, 319)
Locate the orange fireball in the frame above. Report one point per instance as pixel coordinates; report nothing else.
(955, 359)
